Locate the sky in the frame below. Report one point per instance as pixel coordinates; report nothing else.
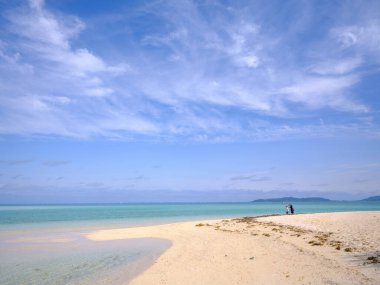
(188, 101)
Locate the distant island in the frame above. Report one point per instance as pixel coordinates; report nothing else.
(372, 199)
(311, 199)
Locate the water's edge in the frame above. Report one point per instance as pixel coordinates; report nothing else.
(68, 257)
(47, 244)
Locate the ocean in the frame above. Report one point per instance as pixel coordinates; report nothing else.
(46, 244)
(140, 214)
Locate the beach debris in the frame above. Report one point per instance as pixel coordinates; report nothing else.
(336, 243)
(348, 249)
(315, 243)
(202, 225)
(372, 260)
(252, 258)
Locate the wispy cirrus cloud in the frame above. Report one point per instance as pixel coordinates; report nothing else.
(336, 66)
(49, 36)
(53, 163)
(320, 92)
(251, 178)
(198, 72)
(95, 185)
(362, 39)
(15, 161)
(360, 181)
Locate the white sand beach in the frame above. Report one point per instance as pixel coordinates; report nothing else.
(327, 248)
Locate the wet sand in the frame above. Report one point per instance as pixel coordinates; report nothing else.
(331, 248)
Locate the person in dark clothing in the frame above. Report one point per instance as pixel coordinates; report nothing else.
(291, 209)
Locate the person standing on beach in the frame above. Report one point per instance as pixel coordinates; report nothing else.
(287, 209)
(291, 209)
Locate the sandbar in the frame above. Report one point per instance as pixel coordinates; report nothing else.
(325, 248)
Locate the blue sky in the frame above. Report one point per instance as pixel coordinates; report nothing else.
(126, 101)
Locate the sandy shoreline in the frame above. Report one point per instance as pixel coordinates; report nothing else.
(327, 248)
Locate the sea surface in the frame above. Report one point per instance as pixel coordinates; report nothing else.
(46, 244)
(16, 216)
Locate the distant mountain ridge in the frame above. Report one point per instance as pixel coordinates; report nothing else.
(293, 199)
(371, 199)
(312, 199)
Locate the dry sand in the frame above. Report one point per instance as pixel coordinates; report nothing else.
(328, 248)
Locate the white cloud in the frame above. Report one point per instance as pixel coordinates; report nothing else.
(249, 61)
(328, 91)
(197, 77)
(364, 38)
(347, 36)
(48, 37)
(39, 25)
(60, 100)
(336, 67)
(99, 92)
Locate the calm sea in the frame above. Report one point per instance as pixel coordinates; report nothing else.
(46, 244)
(141, 214)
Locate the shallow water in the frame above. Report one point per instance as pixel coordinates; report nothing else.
(45, 244)
(69, 258)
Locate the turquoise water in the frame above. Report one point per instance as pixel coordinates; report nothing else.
(46, 244)
(110, 214)
(42, 258)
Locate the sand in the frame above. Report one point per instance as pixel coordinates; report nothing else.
(328, 248)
